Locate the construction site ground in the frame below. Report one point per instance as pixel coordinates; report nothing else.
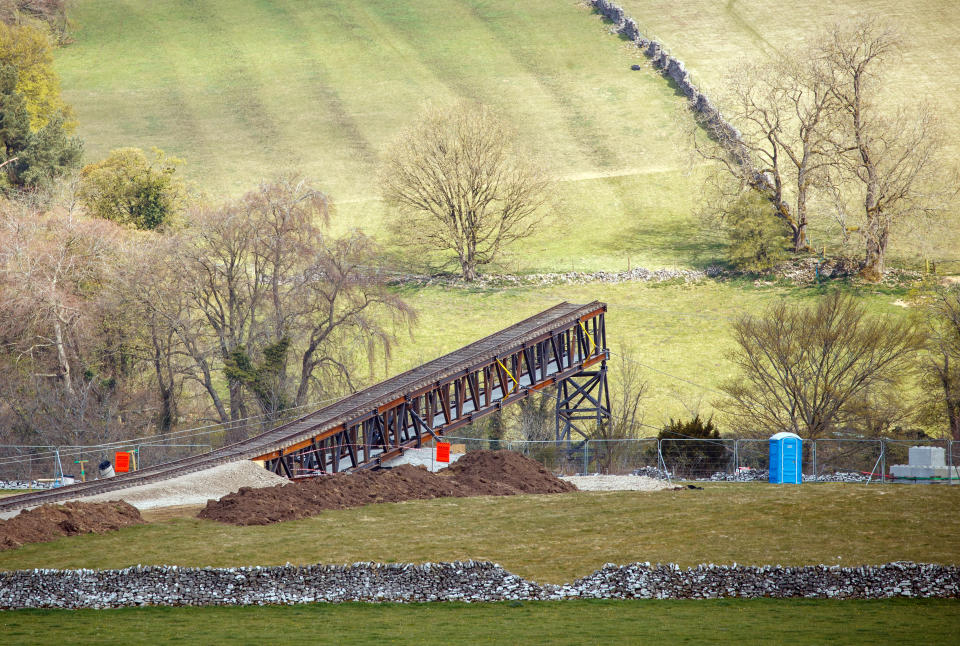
(243, 493)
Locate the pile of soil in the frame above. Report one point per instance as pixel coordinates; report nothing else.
(480, 473)
(49, 522)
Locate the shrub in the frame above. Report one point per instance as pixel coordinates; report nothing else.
(129, 189)
(758, 238)
(698, 449)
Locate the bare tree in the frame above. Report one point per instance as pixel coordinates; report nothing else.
(785, 114)
(890, 156)
(803, 368)
(941, 370)
(460, 186)
(535, 417)
(64, 346)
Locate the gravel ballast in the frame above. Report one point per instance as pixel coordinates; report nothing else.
(618, 483)
(468, 581)
(191, 489)
(195, 488)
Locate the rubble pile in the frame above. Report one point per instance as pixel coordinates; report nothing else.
(24, 484)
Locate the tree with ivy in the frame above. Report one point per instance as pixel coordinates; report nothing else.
(31, 157)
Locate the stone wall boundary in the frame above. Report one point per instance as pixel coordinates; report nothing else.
(674, 69)
(465, 581)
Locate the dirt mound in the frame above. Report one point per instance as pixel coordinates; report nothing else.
(494, 473)
(481, 473)
(48, 522)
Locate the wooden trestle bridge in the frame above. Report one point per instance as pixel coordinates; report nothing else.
(564, 346)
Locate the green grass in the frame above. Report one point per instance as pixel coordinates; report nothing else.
(570, 622)
(243, 89)
(560, 537)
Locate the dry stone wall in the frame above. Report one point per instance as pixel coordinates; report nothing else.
(468, 581)
(674, 69)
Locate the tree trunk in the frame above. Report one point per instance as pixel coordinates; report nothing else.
(168, 404)
(873, 266)
(951, 399)
(953, 415)
(62, 356)
(800, 229)
(875, 263)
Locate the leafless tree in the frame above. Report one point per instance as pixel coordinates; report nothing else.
(534, 417)
(64, 347)
(890, 156)
(785, 113)
(460, 186)
(802, 368)
(626, 415)
(941, 370)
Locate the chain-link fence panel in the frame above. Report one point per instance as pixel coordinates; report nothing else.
(752, 461)
(843, 460)
(953, 461)
(620, 457)
(699, 459)
(557, 457)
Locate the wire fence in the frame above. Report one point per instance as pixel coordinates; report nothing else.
(20, 463)
(728, 459)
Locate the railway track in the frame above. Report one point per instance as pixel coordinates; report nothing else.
(497, 349)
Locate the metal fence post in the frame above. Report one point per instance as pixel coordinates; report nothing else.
(586, 457)
(813, 451)
(736, 456)
(883, 460)
(950, 460)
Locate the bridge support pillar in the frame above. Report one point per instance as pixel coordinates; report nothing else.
(583, 401)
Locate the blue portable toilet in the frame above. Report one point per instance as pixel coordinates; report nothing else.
(786, 455)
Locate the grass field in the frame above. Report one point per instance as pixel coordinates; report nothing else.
(243, 89)
(561, 537)
(713, 37)
(930, 622)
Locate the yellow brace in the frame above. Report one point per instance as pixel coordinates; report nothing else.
(593, 344)
(509, 374)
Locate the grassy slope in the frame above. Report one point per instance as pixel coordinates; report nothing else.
(679, 329)
(242, 89)
(712, 38)
(571, 622)
(561, 537)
